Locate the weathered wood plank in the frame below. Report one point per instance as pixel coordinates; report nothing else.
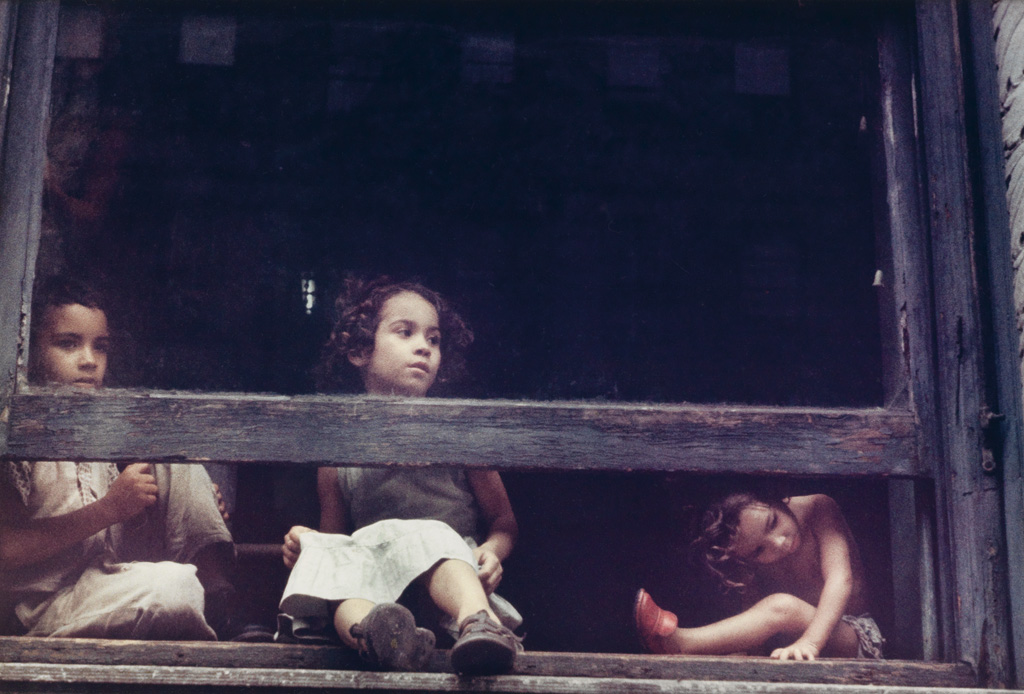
(8, 22)
(90, 678)
(993, 74)
(125, 425)
(968, 491)
(533, 664)
(906, 290)
(21, 171)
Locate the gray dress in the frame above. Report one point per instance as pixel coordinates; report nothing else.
(406, 521)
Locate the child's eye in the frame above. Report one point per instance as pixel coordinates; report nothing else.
(434, 340)
(405, 332)
(102, 346)
(66, 343)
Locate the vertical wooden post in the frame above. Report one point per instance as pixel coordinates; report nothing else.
(8, 16)
(906, 297)
(21, 181)
(1005, 432)
(968, 494)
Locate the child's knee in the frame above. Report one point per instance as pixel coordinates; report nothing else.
(783, 609)
(176, 593)
(161, 600)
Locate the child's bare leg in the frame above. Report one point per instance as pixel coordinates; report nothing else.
(350, 612)
(484, 646)
(455, 588)
(776, 614)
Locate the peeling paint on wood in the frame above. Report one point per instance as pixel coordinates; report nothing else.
(354, 430)
(1008, 20)
(536, 664)
(86, 678)
(92, 664)
(969, 505)
(33, 27)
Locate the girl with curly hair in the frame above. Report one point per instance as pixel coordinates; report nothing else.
(799, 573)
(386, 529)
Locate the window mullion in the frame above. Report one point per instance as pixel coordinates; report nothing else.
(21, 176)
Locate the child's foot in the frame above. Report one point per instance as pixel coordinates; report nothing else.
(484, 647)
(390, 640)
(653, 624)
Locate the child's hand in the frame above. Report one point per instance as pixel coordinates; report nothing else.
(291, 547)
(221, 506)
(801, 650)
(490, 568)
(132, 492)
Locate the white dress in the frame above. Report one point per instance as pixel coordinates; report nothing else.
(128, 581)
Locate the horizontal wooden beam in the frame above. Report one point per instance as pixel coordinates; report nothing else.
(243, 664)
(121, 425)
(34, 677)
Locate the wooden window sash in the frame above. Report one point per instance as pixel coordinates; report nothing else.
(157, 426)
(184, 427)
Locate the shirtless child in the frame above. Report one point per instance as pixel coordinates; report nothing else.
(799, 573)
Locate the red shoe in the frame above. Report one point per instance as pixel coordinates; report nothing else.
(653, 624)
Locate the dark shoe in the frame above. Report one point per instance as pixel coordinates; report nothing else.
(390, 640)
(254, 633)
(653, 624)
(484, 647)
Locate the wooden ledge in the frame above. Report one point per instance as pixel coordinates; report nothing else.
(99, 661)
(37, 677)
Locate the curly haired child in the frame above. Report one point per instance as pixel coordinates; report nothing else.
(798, 570)
(384, 529)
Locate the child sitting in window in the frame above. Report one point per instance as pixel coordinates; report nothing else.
(84, 547)
(385, 528)
(801, 579)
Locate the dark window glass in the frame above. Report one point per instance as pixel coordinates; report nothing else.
(628, 200)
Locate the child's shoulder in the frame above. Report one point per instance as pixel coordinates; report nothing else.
(813, 506)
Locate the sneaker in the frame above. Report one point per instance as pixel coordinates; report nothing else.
(390, 640)
(484, 647)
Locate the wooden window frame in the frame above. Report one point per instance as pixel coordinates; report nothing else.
(931, 440)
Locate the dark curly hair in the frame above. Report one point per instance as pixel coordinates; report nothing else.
(53, 292)
(714, 543)
(357, 315)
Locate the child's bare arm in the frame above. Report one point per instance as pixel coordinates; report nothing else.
(332, 515)
(332, 506)
(503, 530)
(827, 524)
(25, 541)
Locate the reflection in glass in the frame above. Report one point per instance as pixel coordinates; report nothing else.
(630, 201)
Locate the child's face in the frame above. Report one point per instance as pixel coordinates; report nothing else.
(73, 344)
(765, 534)
(406, 350)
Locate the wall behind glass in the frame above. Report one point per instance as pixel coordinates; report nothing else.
(635, 201)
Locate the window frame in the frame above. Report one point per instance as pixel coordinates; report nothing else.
(930, 439)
